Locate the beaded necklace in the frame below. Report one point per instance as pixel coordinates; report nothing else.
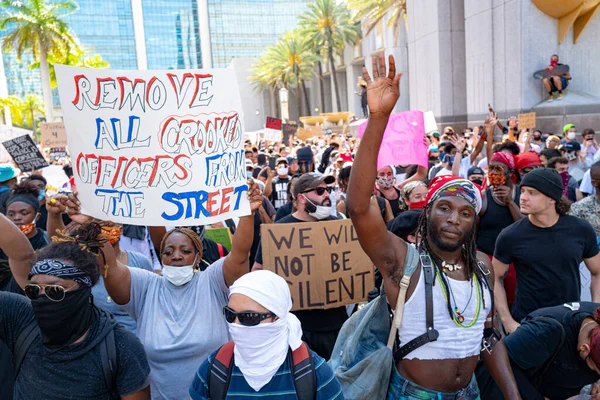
(457, 316)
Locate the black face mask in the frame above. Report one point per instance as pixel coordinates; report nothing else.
(478, 181)
(537, 138)
(64, 322)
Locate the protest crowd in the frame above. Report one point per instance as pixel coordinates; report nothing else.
(456, 275)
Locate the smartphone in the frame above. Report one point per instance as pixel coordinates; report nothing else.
(490, 110)
(272, 161)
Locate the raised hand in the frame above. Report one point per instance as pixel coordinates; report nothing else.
(254, 195)
(459, 143)
(383, 91)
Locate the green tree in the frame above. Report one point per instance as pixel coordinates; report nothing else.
(15, 108)
(370, 12)
(76, 57)
(38, 27)
(328, 26)
(32, 105)
(264, 78)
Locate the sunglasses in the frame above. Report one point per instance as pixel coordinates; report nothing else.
(320, 190)
(52, 292)
(246, 318)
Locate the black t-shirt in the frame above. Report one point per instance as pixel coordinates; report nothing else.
(40, 240)
(314, 320)
(284, 211)
(536, 341)
(279, 194)
(76, 371)
(546, 261)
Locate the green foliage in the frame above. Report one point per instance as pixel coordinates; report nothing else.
(370, 12)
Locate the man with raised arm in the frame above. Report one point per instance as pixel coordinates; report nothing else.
(447, 320)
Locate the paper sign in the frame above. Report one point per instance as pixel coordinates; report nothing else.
(403, 142)
(273, 123)
(272, 135)
(156, 147)
(527, 121)
(7, 133)
(219, 235)
(288, 130)
(322, 262)
(25, 153)
(53, 135)
(430, 122)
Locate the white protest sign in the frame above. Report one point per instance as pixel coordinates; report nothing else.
(430, 123)
(272, 135)
(156, 147)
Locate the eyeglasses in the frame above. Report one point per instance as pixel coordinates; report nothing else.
(320, 190)
(247, 318)
(53, 292)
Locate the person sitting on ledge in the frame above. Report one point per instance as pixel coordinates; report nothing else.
(556, 83)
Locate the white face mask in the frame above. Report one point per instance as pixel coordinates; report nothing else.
(260, 350)
(571, 135)
(179, 276)
(282, 171)
(322, 212)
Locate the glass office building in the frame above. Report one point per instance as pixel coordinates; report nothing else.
(172, 34)
(243, 28)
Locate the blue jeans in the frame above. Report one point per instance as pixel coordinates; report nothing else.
(403, 389)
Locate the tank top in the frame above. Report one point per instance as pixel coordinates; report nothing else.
(394, 204)
(454, 341)
(495, 219)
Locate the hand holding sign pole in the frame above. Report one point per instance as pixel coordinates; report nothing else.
(155, 147)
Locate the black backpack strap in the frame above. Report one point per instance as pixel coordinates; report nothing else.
(108, 357)
(431, 334)
(219, 372)
(304, 373)
(22, 345)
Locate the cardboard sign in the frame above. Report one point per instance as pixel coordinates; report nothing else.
(403, 142)
(273, 123)
(53, 135)
(25, 153)
(156, 147)
(322, 262)
(527, 121)
(219, 235)
(7, 133)
(288, 130)
(305, 134)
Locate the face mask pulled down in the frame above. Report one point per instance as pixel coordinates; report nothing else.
(318, 212)
(64, 322)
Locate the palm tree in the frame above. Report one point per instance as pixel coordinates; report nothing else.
(370, 12)
(76, 57)
(38, 27)
(32, 105)
(264, 78)
(329, 27)
(295, 62)
(14, 106)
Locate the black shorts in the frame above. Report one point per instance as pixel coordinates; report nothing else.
(565, 83)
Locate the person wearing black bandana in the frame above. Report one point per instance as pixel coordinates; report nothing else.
(66, 332)
(23, 210)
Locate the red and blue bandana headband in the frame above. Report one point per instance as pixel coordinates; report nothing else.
(449, 185)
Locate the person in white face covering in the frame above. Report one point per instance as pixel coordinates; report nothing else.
(178, 314)
(266, 356)
(320, 327)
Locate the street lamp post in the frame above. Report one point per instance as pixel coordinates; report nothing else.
(283, 99)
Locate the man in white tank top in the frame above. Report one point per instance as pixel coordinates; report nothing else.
(443, 366)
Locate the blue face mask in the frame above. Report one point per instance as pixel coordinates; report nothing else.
(42, 195)
(248, 174)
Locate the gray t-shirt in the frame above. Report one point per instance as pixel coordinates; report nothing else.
(104, 301)
(180, 326)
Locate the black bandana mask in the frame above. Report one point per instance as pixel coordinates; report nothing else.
(64, 322)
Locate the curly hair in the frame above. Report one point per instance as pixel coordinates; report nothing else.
(80, 248)
(187, 232)
(563, 206)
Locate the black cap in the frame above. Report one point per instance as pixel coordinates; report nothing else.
(304, 154)
(311, 180)
(572, 146)
(406, 223)
(546, 180)
(475, 171)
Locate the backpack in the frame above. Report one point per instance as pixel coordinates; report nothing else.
(108, 355)
(219, 372)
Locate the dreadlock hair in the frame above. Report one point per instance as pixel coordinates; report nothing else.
(187, 232)
(79, 248)
(469, 251)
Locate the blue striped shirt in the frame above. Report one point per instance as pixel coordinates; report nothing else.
(281, 386)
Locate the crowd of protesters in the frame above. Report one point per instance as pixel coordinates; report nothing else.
(479, 255)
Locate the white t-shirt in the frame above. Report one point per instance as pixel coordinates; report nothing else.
(586, 183)
(180, 326)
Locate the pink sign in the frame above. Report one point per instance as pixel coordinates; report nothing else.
(403, 141)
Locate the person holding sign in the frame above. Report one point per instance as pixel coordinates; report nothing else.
(178, 314)
(320, 327)
(268, 357)
(451, 336)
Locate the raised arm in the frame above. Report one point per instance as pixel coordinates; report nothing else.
(489, 132)
(379, 244)
(421, 175)
(480, 143)
(460, 145)
(236, 263)
(18, 249)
